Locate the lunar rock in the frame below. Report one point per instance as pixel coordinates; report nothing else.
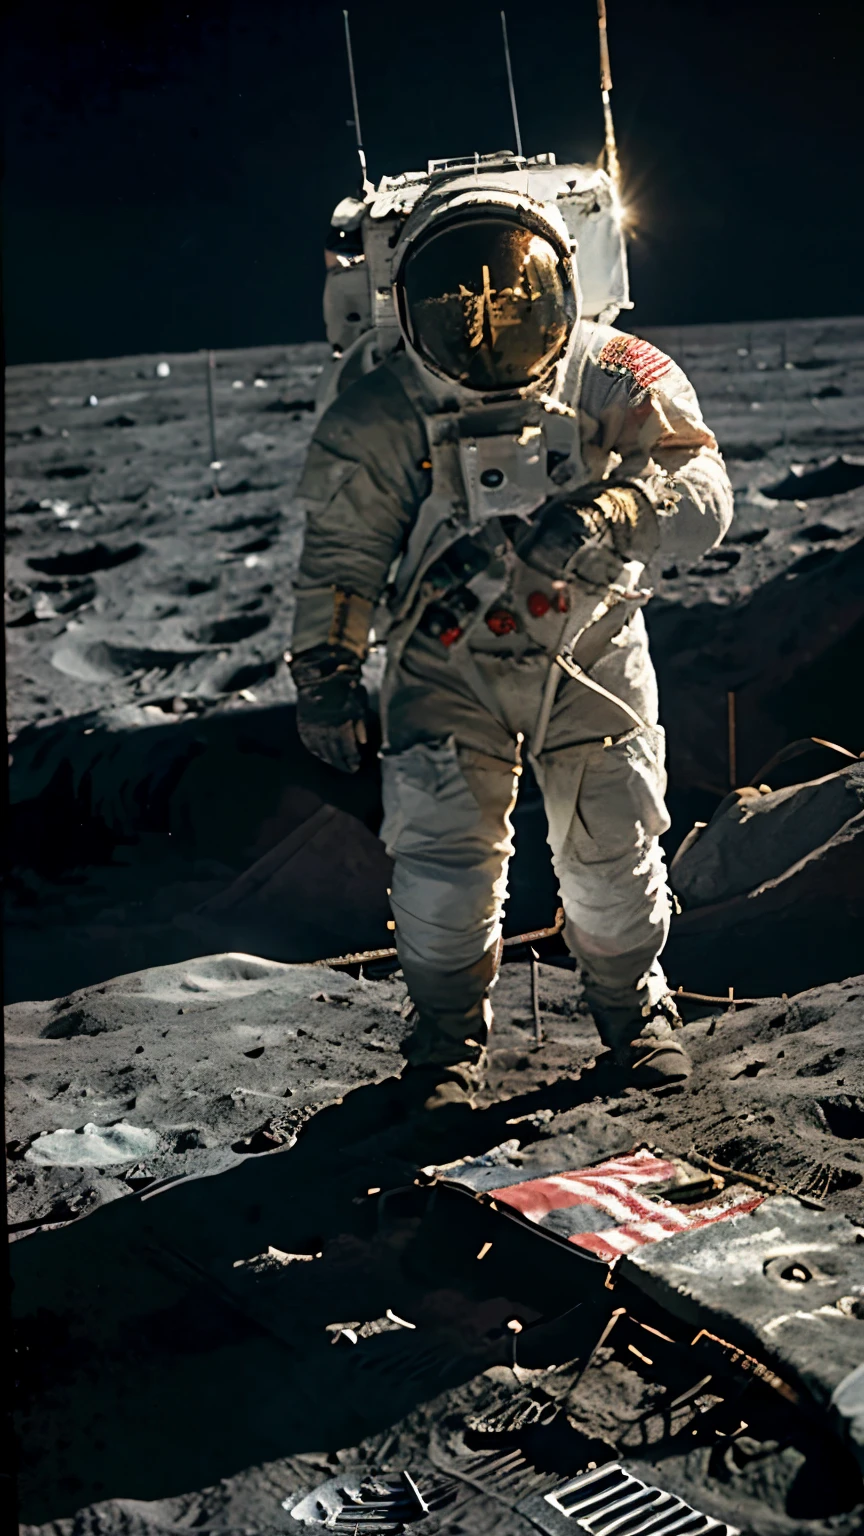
(777, 879)
(92, 1146)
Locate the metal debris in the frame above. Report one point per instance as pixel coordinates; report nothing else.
(782, 1283)
(504, 1472)
(360, 1503)
(354, 1331)
(612, 1499)
(390, 954)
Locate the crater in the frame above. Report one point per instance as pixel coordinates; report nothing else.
(843, 1114)
(253, 546)
(832, 479)
(827, 1063)
(813, 561)
(228, 631)
(749, 536)
(820, 532)
(100, 660)
(247, 677)
(73, 1022)
(80, 562)
(68, 471)
(723, 555)
(245, 488)
(68, 595)
(251, 520)
(187, 586)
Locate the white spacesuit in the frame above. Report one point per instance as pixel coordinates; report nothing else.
(488, 497)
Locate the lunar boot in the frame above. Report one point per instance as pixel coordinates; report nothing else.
(446, 1050)
(638, 1023)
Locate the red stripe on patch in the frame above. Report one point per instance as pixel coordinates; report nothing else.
(629, 354)
(613, 1188)
(617, 1240)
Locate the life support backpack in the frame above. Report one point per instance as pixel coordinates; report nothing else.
(359, 314)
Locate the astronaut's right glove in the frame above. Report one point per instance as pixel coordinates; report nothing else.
(624, 515)
(331, 705)
(589, 533)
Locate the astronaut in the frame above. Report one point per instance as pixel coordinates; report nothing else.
(488, 498)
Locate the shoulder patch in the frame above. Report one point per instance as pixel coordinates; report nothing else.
(630, 355)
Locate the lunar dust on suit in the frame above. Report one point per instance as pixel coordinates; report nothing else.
(397, 472)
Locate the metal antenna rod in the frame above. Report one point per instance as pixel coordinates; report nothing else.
(355, 107)
(510, 83)
(612, 163)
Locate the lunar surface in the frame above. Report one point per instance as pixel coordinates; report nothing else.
(269, 1317)
(163, 805)
(247, 1309)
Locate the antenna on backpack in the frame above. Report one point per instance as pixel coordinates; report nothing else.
(510, 83)
(366, 183)
(612, 165)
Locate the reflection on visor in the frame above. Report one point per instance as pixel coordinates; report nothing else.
(485, 303)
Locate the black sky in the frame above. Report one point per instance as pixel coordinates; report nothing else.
(171, 167)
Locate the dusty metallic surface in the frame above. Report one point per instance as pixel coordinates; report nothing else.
(784, 1282)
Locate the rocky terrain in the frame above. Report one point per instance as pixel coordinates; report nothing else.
(230, 1257)
(225, 1113)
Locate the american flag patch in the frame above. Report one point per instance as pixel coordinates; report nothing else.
(630, 355)
(611, 1213)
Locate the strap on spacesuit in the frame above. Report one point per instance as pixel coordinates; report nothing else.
(576, 672)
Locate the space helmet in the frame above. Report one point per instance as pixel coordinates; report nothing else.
(485, 287)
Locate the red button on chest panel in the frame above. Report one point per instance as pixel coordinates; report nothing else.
(538, 604)
(501, 622)
(450, 636)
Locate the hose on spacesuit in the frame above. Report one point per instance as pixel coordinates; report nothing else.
(563, 661)
(576, 672)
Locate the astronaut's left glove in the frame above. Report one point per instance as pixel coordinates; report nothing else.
(331, 705)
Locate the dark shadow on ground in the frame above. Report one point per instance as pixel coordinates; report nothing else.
(134, 846)
(153, 1358)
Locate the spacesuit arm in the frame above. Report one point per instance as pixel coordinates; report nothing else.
(666, 447)
(362, 484)
(642, 426)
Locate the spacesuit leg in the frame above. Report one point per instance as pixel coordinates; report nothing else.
(447, 825)
(606, 811)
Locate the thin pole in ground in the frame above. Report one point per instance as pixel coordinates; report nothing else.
(535, 997)
(731, 737)
(211, 412)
